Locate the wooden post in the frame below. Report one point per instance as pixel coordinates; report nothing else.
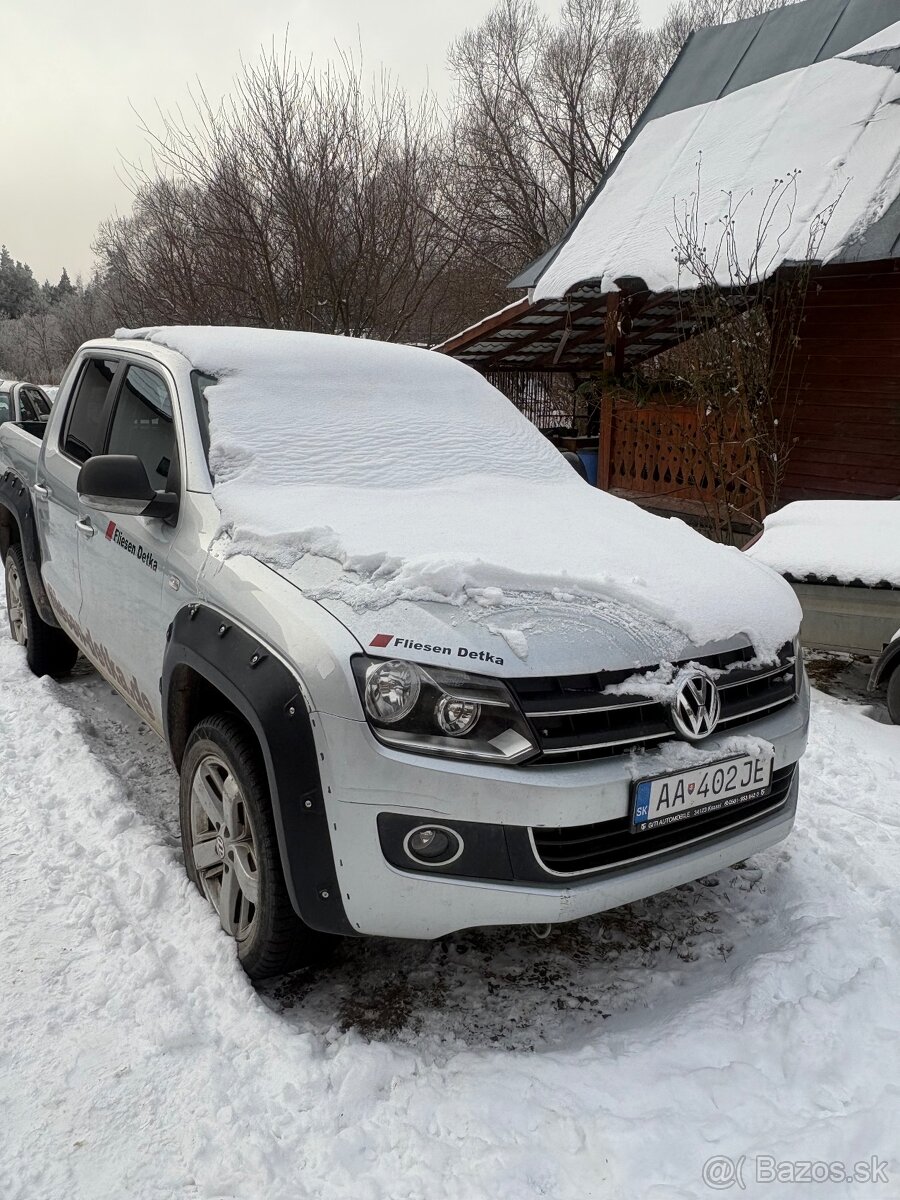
(613, 366)
(604, 456)
(614, 354)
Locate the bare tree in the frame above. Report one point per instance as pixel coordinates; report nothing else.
(541, 110)
(745, 313)
(684, 16)
(38, 346)
(314, 199)
(307, 201)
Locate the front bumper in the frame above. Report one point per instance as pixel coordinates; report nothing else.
(362, 780)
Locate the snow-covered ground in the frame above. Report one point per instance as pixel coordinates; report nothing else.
(751, 1013)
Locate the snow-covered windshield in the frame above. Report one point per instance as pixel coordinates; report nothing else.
(421, 480)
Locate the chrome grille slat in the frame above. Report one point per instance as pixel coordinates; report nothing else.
(630, 741)
(753, 677)
(578, 712)
(573, 719)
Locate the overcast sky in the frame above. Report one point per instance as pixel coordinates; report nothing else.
(73, 71)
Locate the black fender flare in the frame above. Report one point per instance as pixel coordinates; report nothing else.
(268, 695)
(887, 663)
(15, 496)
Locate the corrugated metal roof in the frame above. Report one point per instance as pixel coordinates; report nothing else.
(717, 61)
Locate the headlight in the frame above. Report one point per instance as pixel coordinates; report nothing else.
(456, 717)
(435, 710)
(392, 689)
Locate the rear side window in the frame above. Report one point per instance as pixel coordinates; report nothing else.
(4, 407)
(142, 424)
(26, 406)
(86, 422)
(39, 402)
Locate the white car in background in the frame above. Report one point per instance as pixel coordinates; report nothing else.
(842, 557)
(23, 402)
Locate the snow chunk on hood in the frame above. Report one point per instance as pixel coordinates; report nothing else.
(847, 540)
(423, 482)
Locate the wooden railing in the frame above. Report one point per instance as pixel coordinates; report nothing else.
(661, 450)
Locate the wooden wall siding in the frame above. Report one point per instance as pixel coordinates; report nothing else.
(657, 450)
(844, 387)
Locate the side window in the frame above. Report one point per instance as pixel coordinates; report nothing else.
(200, 383)
(86, 420)
(39, 403)
(26, 407)
(142, 425)
(4, 407)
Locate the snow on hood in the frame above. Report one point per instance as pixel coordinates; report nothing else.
(847, 540)
(836, 122)
(373, 474)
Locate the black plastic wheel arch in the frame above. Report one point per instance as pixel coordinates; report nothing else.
(267, 695)
(16, 496)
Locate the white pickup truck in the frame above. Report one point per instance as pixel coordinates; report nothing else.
(415, 674)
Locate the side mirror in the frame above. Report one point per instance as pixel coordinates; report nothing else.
(118, 483)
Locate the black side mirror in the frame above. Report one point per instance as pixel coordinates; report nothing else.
(118, 483)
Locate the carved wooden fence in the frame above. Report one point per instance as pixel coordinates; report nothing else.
(663, 450)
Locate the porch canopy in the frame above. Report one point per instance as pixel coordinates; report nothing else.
(772, 141)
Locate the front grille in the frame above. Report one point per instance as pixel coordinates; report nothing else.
(607, 844)
(574, 717)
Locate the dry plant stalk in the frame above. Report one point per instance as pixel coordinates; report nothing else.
(745, 334)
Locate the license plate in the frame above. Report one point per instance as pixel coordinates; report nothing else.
(671, 798)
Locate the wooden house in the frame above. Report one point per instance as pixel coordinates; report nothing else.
(811, 91)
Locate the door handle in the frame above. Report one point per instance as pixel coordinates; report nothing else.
(85, 526)
(42, 492)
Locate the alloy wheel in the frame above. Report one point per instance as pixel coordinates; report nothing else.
(224, 846)
(15, 606)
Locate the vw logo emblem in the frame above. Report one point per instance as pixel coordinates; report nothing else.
(696, 706)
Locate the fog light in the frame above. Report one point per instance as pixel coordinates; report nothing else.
(432, 844)
(456, 717)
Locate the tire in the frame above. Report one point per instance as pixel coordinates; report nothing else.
(893, 695)
(231, 849)
(48, 650)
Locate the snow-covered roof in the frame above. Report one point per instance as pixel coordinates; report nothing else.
(730, 121)
(850, 541)
(830, 130)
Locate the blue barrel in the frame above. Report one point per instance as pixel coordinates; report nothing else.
(589, 458)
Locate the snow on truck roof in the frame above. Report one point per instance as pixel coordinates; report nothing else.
(424, 482)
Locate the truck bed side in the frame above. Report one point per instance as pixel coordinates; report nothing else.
(19, 450)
